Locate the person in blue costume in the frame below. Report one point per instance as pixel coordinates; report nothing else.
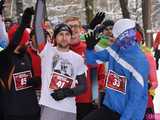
(126, 83)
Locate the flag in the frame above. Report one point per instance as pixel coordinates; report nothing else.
(39, 23)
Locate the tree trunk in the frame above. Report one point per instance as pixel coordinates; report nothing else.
(146, 12)
(19, 8)
(124, 8)
(89, 5)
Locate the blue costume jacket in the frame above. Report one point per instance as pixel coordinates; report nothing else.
(126, 83)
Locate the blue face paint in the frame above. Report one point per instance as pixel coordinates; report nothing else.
(126, 39)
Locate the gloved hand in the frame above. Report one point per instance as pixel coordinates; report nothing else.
(97, 20)
(91, 40)
(1, 6)
(60, 94)
(27, 17)
(99, 29)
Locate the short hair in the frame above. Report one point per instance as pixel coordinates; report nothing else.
(73, 19)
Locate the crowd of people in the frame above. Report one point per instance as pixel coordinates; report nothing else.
(99, 71)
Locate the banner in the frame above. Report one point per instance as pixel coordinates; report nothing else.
(39, 23)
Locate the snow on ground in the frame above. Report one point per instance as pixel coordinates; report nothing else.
(157, 95)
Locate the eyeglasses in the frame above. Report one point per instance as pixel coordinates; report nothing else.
(75, 26)
(108, 28)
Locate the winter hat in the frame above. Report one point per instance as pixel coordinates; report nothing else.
(121, 26)
(107, 23)
(61, 27)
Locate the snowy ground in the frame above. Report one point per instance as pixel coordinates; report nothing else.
(157, 96)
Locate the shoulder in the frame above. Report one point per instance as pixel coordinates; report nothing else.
(76, 56)
(48, 47)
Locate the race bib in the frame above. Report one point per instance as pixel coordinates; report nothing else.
(60, 81)
(116, 82)
(20, 80)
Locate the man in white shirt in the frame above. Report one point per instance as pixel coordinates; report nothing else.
(61, 70)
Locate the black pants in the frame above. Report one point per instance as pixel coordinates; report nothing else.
(103, 113)
(22, 118)
(1, 116)
(83, 109)
(157, 57)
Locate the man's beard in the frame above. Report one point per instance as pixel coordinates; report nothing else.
(63, 46)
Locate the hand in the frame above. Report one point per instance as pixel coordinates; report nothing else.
(27, 17)
(91, 40)
(97, 20)
(1, 6)
(29, 11)
(60, 94)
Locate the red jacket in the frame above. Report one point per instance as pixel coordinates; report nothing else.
(152, 67)
(157, 41)
(25, 37)
(36, 62)
(152, 77)
(86, 97)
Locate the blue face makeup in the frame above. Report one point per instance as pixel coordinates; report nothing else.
(126, 39)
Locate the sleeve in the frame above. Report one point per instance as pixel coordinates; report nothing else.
(25, 37)
(96, 57)
(45, 50)
(101, 76)
(137, 95)
(152, 71)
(81, 67)
(3, 35)
(135, 100)
(157, 41)
(80, 77)
(81, 86)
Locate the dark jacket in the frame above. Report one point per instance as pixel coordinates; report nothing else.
(17, 102)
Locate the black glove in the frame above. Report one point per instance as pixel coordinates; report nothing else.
(60, 94)
(1, 6)
(97, 20)
(99, 29)
(91, 40)
(27, 17)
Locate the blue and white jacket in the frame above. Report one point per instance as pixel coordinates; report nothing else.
(3, 35)
(126, 84)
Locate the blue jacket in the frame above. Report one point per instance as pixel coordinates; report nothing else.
(128, 69)
(3, 35)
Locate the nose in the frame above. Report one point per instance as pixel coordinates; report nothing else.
(64, 37)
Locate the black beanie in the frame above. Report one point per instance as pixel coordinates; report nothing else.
(107, 23)
(61, 27)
